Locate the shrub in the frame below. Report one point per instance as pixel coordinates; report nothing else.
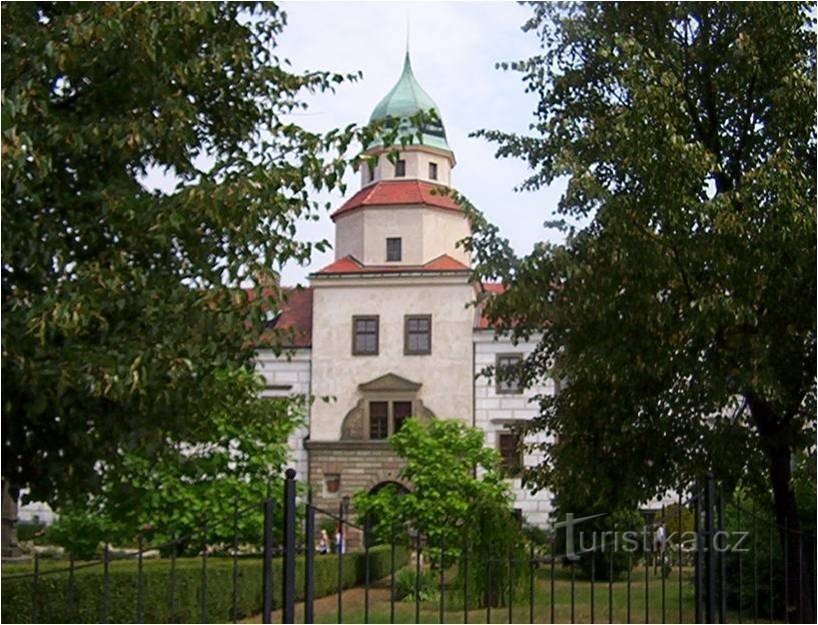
(123, 588)
(27, 531)
(408, 584)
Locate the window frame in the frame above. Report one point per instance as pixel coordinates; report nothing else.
(433, 170)
(400, 249)
(400, 168)
(388, 417)
(355, 320)
(498, 389)
(406, 350)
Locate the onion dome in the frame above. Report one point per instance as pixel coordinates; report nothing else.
(406, 99)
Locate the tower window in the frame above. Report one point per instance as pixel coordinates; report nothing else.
(505, 374)
(393, 249)
(364, 335)
(432, 171)
(378, 419)
(418, 336)
(400, 168)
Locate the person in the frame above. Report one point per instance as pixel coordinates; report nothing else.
(340, 547)
(323, 543)
(659, 539)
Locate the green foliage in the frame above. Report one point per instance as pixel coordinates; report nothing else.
(410, 586)
(458, 499)
(53, 589)
(28, 531)
(79, 533)
(450, 471)
(686, 287)
(232, 461)
(748, 513)
(121, 304)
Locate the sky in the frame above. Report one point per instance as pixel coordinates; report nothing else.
(454, 47)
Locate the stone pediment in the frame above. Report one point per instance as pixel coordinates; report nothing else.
(389, 382)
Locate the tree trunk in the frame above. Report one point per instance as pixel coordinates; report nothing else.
(799, 556)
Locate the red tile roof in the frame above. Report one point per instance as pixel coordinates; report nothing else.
(481, 322)
(351, 265)
(295, 318)
(393, 192)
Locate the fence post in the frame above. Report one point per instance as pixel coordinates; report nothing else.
(267, 565)
(697, 554)
(309, 561)
(288, 584)
(710, 552)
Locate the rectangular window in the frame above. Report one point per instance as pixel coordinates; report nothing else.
(432, 171)
(401, 411)
(505, 374)
(393, 249)
(364, 335)
(511, 453)
(418, 339)
(400, 168)
(378, 419)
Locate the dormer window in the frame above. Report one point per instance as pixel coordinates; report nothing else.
(393, 249)
(400, 168)
(432, 171)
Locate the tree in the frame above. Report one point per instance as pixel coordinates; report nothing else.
(208, 490)
(681, 309)
(121, 304)
(458, 498)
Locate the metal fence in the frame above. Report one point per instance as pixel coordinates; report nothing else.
(771, 579)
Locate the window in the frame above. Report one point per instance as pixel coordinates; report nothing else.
(378, 419)
(401, 411)
(510, 453)
(393, 249)
(364, 335)
(432, 171)
(505, 374)
(400, 168)
(332, 482)
(388, 417)
(371, 171)
(418, 331)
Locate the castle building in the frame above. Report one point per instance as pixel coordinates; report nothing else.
(388, 330)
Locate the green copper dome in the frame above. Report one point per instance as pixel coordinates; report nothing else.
(407, 98)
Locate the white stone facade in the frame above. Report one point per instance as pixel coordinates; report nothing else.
(288, 375)
(496, 412)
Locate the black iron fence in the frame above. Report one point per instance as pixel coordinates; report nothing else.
(737, 565)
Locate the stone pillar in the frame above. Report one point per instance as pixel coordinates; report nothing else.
(9, 529)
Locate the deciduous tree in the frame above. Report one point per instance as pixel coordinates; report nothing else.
(120, 303)
(681, 309)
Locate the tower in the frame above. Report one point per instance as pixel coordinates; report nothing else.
(391, 326)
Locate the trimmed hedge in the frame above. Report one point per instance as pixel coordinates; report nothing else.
(54, 603)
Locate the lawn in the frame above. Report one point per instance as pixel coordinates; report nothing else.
(379, 610)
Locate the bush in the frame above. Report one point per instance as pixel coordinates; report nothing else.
(408, 584)
(123, 588)
(27, 531)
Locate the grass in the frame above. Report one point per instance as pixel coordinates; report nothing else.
(379, 604)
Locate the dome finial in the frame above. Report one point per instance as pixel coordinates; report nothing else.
(406, 61)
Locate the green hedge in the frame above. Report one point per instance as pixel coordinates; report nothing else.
(53, 603)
